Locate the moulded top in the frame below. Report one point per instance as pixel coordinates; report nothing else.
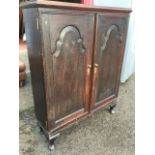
(72, 6)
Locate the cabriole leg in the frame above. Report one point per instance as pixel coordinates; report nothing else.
(111, 108)
(52, 139)
(51, 144)
(41, 130)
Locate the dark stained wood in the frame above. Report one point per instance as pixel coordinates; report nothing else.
(71, 6)
(70, 1)
(67, 53)
(35, 59)
(21, 28)
(110, 42)
(75, 53)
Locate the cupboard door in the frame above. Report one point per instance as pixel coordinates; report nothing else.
(109, 48)
(68, 40)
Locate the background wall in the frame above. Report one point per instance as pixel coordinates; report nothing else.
(115, 3)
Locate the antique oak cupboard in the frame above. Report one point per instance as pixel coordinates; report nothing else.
(75, 55)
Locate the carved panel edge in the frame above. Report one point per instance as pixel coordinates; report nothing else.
(63, 33)
(107, 35)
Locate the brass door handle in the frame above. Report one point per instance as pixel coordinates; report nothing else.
(88, 69)
(95, 68)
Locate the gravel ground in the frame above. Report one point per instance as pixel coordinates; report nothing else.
(100, 134)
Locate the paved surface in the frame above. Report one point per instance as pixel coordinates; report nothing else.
(25, 94)
(101, 134)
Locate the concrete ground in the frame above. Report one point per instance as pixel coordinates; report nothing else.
(101, 134)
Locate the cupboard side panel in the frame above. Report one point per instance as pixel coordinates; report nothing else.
(33, 39)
